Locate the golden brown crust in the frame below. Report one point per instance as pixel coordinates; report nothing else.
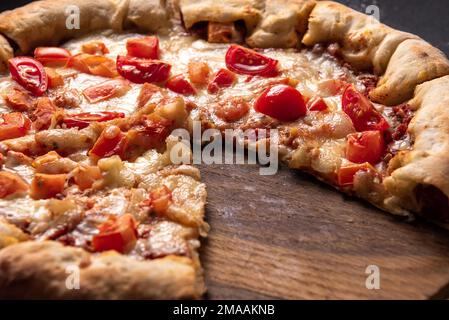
(194, 11)
(6, 53)
(283, 23)
(44, 22)
(414, 62)
(40, 270)
(427, 164)
(365, 42)
(147, 15)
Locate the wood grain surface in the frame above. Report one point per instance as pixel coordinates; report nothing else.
(290, 236)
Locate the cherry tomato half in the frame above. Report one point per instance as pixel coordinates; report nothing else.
(222, 79)
(52, 56)
(140, 70)
(246, 61)
(82, 120)
(365, 146)
(317, 104)
(281, 102)
(362, 112)
(30, 74)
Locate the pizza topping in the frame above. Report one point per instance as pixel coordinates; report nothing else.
(14, 125)
(107, 90)
(232, 109)
(146, 47)
(52, 56)
(95, 47)
(199, 72)
(83, 120)
(218, 32)
(139, 70)
(29, 73)
(85, 176)
(160, 200)
(11, 184)
(180, 85)
(46, 186)
(54, 78)
(43, 114)
(317, 104)
(112, 141)
(368, 146)
(18, 100)
(281, 102)
(362, 112)
(223, 79)
(246, 61)
(347, 174)
(94, 64)
(149, 93)
(117, 233)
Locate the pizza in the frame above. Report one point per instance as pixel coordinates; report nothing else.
(87, 181)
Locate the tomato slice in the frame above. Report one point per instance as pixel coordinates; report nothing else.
(52, 56)
(14, 125)
(46, 186)
(94, 64)
(281, 102)
(180, 85)
(83, 120)
(106, 90)
(368, 146)
(95, 47)
(199, 72)
(346, 174)
(10, 184)
(246, 61)
(117, 233)
(317, 104)
(112, 141)
(222, 79)
(146, 47)
(139, 70)
(362, 112)
(29, 73)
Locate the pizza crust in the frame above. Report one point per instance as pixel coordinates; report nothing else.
(36, 270)
(147, 15)
(6, 53)
(283, 22)
(427, 164)
(414, 62)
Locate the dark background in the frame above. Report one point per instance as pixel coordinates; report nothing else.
(427, 19)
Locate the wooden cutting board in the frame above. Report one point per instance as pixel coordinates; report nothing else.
(290, 236)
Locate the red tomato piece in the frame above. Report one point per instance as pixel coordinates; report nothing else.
(146, 47)
(160, 200)
(106, 90)
(11, 183)
(232, 109)
(317, 104)
(150, 93)
(95, 47)
(14, 125)
(246, 61)
(139, 70)
(117, 233)
(281, 102)
(362, 112)
(346, 175)
(222, 79)
(52, 56)
(29, 73)
(83, 120)
(199, 72)
(112, 141)
(365, 146)
(43, 114)
(45, 186)
(180, 85)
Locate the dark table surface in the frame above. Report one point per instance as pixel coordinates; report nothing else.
(427, 19)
